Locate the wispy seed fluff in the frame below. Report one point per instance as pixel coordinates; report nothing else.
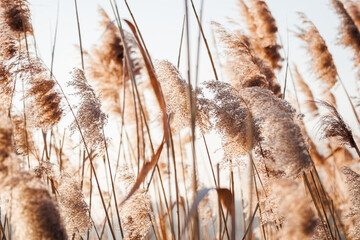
(281, 136)
(300, 220)
(106, 64)
(6, 140)
(353, 183)
(176, 93)
(23, 141)
(34, 214)
(266, 31)
(73, 207)
(136, 212)
(245, 69)
(44, 105)
(310, 105)
(5, 84)
(350, 34)
(333, 125)
(353, 8)
(16, 14)
(232, 119)
(44, 101)
(89, 115)
(321, 59)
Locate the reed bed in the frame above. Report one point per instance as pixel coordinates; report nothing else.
(125, 149)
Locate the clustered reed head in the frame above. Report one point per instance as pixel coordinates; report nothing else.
(262, 30)
(90, 118)
(6, 140)
(350, 34)
(44, 100)
(321, 59)
(136, 212)
(16, 14)
(106, 63)
(232, 119)
(244, 67)
(310, 104)
(5, 84)
(73, 207)
(353, 183)
(281, 136)
(299, 217)
(34, 212)
(45, 105)
(266, 31)
(353, 8)
(333, 125)
(176, 93)
(23, 141)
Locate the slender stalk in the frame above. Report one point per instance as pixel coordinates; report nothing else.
(79, 33)
(248, 229)
(205, 41)
(176, 184)
(181, 41)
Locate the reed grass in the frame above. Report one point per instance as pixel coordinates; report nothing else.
(160, 176)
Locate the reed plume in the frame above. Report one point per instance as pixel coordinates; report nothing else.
(6, 141)
(321, 59)
(176, 93)
(232, 119)
(73, 207)
(353, 183)
(44, 103)
(136, 212)
(89, 115)
(248, 18)
(310, 104)
(353, 8)
(16, 14)
(23, 141)
(300, 219)
(44, 100)
(106, 64)
(245, 69)
(333, 125)
(34, 213)
(5, 84)
(262, 29)
(281, 136)
(266, 31)
(350, 34)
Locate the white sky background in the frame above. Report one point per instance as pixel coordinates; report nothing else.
(160, 22)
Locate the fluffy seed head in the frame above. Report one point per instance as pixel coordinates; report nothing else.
(350, 34)
(106, 64)
(89, 115)
(73, 207)
(232, 119)
(16, 14)
(321, 59)
(34, 213)
(244, 67)
(176, 93)
(281, 136)
(266, 31)
(333, 125)
(135, 213)
(309, 102)
(353, 9)
(353, 183)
